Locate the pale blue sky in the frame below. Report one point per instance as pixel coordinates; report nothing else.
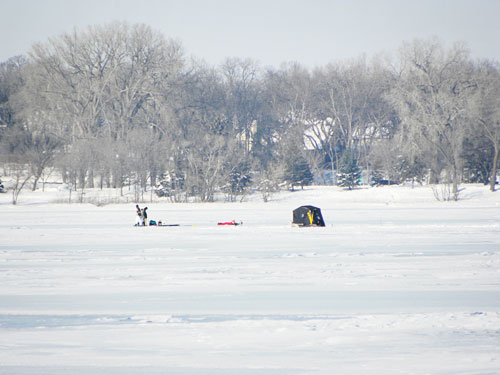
(312, 32)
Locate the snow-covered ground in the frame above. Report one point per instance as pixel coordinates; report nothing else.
(397, 283)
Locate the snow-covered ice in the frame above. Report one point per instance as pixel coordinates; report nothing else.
(396, 283)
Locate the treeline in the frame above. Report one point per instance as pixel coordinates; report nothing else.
(121, 105)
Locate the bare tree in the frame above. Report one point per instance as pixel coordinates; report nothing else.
(206, 156)
(41, 153)
(350, 107)
(106, 80)
(432, 100)
(242, 98)
(21, 178)
(291, 94)
(344, 98)
(487, 110)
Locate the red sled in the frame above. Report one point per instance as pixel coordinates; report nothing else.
(230, 223)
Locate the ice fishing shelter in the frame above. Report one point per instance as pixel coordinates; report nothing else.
(308, 216)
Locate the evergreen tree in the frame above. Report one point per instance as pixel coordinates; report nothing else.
(239, 180)
(297, 172)
(375, 178)
(410, 170)
(349, 174)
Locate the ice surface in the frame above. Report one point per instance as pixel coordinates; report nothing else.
(396, 283)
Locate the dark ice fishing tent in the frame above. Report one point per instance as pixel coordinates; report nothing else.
(308, 216)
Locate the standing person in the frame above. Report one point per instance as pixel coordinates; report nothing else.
(144, 216)
(138, 217)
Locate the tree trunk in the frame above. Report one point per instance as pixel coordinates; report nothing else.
(493, 176)
(454, 190)
(152, 177)
(36, 177)
(35, 183)
(90, 182)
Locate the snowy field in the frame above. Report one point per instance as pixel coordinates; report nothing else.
(397, 283)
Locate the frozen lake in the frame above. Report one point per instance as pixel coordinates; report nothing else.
(396, 283)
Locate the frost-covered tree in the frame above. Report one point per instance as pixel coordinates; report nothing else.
(349, 98)
(101, 83)
(433, 98)
(206, 157)
(105, 77)
(487, 112)
(268, 182)
(242, 99)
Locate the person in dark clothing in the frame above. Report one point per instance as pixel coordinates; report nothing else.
(144, 216)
